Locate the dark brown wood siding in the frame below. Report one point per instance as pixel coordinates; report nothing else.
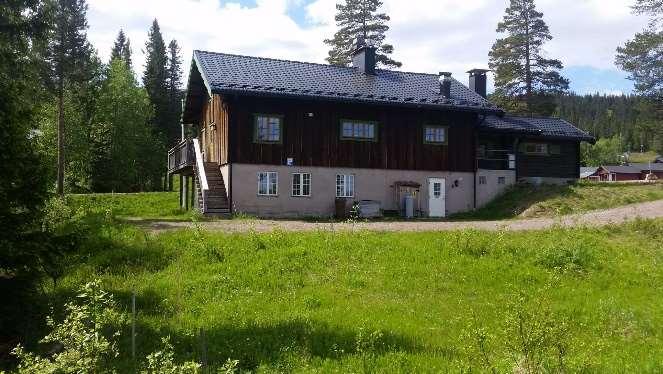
(213, 128)
(315, 140)
(564, 165)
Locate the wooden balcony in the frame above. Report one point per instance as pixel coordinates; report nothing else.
(181, 158)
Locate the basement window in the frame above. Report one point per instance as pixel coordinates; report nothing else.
(501, 180)
(301, 184)
(483, 179)
(268, 128)
(345, 185)
(435, 135)
(268, 183)
(358, 130)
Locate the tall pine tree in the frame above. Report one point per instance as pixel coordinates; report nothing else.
(174, 85)
(67, 53)
(360, 18)
(524, 78)
(122, 49)
(642, 57)
(155, 78)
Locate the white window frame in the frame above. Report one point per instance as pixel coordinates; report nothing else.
(359, 130)
(483, 179)
(300, 178)
(271, 122)
(501, 180)
(272, 179)
(435, 131)
(345, 185)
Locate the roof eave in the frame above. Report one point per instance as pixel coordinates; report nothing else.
(241, 92)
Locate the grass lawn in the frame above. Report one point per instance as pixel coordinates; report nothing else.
(642, 157)
(526, 201)
(151, 205)
(388, 302)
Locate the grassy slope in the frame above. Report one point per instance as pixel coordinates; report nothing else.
(153, 205)
(309, 302)
(642, 157)
(540, 201)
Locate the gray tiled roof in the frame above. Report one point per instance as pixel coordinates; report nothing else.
(227, 73)
(646, 166)
(622, 169)
(536, 126)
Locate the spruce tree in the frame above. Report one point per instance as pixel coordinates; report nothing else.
(360, 18)
(523, 75)
(122, 49)
(67, 53)
(174, 84)
(24, 188)
(155, 78)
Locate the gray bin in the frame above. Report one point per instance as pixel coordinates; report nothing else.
(408, 206)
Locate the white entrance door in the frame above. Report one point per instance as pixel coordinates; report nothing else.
(436, 197)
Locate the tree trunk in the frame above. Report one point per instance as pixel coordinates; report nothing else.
(528, 68)
(60, 176)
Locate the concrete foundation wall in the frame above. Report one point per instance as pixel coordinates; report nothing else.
(370, 184)
(546, 180)
(492, 189)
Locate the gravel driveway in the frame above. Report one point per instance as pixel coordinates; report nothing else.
(653, 209)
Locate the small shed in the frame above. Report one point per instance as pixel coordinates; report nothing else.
(617, 173)
(589, 173)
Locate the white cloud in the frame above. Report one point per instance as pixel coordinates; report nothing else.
(428, 35)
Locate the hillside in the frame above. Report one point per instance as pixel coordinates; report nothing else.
(527, 201)
(385, 302)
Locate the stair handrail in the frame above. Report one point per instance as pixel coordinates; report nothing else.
(202, 178)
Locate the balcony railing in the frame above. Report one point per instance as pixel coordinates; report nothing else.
(181, 156)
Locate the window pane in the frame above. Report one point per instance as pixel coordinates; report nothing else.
(272, 183)
(347, 129)
(296, 186)
(306, 184)
(262, 184)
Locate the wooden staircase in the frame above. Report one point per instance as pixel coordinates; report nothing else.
(216, 200)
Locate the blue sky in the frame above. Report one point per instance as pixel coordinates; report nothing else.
(428, 35)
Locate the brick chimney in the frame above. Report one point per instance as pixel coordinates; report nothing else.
(363, 57)
(478, 81)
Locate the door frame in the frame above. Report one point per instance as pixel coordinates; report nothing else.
(443, 196)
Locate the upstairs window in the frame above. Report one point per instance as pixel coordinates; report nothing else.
(268, 183)
(358, 130)
(345, 185)
(537, 149)
(301, 184)
(435, 135)
(268, 128)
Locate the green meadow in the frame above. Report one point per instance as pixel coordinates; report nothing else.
(578, 300)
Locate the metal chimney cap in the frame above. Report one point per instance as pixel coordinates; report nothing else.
(478, 71)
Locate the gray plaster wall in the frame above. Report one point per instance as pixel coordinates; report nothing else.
(492, 189)
(370, 184)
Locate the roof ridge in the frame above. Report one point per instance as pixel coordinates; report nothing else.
(311, 63)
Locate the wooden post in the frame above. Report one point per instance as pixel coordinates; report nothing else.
(203, 349)
(186, 192)
(133, 325)
(181, 190)
(193, 192)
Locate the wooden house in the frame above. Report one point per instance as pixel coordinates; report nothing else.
(287, 138)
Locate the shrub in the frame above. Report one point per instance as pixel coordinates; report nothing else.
(85, 342)
(574, 256)
(162, 362)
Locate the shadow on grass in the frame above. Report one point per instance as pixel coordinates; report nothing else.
(275, 344)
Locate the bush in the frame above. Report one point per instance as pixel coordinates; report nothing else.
(571, 256)
(85, 342)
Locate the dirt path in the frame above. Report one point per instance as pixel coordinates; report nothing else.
(653, 209)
